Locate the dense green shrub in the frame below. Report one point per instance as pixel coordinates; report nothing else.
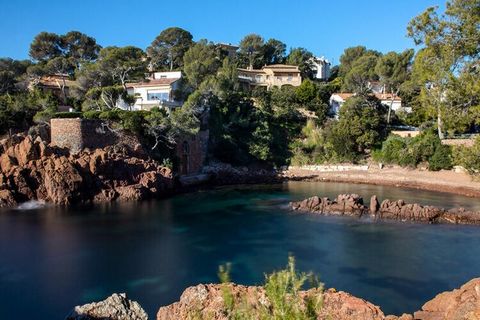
(410, 152)
(282, 290)
(92, 114)
(468, 157)
(441, 159)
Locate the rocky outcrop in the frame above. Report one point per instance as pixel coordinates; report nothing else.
(352, 205)
(32, 170)
(349, 204)
(115, 307)
(459, 304)
(207, 302)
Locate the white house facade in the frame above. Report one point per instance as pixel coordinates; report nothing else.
(321, 66)
(156, 91)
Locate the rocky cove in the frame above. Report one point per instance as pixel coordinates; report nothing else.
(32, 169)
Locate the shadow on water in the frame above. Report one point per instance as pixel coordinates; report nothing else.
(154, 250)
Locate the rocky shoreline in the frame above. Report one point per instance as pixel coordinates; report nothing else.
(30, 169)
(206, 301)
(353, 205)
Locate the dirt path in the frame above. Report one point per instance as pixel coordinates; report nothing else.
(443, 181)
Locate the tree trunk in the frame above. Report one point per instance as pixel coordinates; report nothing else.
(440, 124)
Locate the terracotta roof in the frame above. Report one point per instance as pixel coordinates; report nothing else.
(55, 81)
(387, 96)
(344, 96)
(280, 66)
(153, 83)
(254, 71)
(380, 96)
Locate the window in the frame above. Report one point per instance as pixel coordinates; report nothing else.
(290, 77)
(258, 78)
(160, 96)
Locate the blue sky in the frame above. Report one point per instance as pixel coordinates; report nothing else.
(324, 27)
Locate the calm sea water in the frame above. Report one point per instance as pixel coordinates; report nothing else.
(52, 259)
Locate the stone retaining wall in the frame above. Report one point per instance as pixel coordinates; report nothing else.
(330, 168)
(458, 142)
(77, 134)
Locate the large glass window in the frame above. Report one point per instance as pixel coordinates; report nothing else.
(157, 96)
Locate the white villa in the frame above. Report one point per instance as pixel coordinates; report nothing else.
(275, 75)
(156, 91)
(321, 66)
(338, 99)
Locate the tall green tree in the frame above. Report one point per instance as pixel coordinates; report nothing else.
(79, 47)
(45, 46)
(200, 61)
(301, 57)
(167, 50)
(361, 126)
(11, 71)
(348, 58)
(274, 51)
(252, 50)
(74, 45)
(361, 73)
(393, 70)
(122, 64)
(451, 49)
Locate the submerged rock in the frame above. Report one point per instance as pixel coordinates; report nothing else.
(115, 307)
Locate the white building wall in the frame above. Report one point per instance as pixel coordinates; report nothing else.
(167, 75)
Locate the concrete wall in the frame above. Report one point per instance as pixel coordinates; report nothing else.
(406, 134)
(330, 168)
(459, 142)
(77, 134)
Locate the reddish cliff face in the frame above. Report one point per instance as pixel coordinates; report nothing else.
(32, 170)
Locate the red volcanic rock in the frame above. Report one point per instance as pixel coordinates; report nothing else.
(374, 204)
(7, 199)
(207, 302)
(459, 304)
(32, 170)
(352, 205)
(349, 204)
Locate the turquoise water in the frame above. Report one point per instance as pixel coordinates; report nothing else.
(52, 259)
